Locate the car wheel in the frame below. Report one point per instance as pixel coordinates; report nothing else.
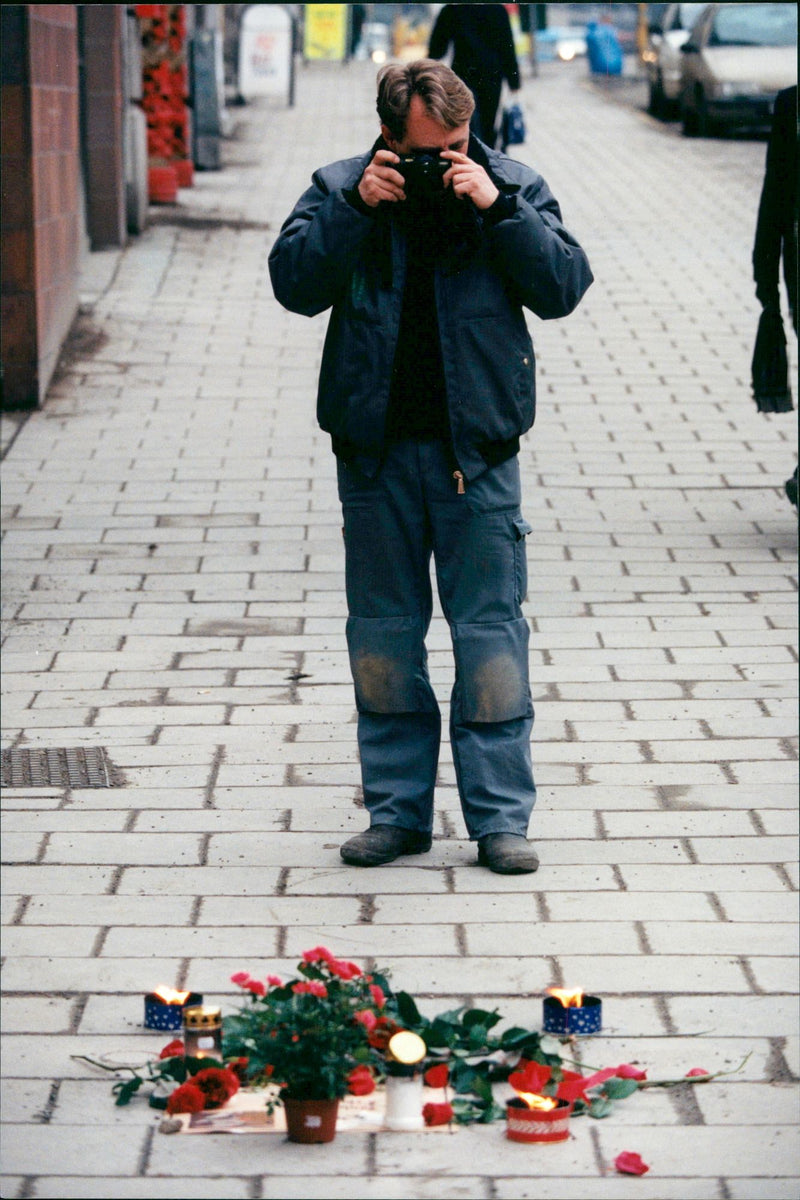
(688, 120)
(657, 104)
(705, 125)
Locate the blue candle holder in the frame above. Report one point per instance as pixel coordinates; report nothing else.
(168, 1018)
(584, 1018)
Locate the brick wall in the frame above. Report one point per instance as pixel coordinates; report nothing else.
(105, 171)
(41, 221)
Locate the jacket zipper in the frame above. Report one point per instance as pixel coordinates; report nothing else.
(459, 478)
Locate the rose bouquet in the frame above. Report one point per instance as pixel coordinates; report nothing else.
(309, 1035)
(179, 1083)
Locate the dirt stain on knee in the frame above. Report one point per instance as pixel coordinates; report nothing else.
(498, 690)
(381, 682)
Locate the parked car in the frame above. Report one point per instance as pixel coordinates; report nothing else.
(662, 58)
(736, 60)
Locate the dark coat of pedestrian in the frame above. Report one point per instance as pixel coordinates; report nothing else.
(427, 248)
(775, 246)
(483, 56)
(776, 227)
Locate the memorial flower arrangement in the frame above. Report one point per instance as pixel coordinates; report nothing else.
(310, 1034)
(326, 1032)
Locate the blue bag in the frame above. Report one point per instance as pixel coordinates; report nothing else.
(513, 126)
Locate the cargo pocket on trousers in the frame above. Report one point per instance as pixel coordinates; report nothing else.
(521, 531)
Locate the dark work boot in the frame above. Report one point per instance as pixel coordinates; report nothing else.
(383, 844)
(507, 854)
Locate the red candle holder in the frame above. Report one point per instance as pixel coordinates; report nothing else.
(525, 1124)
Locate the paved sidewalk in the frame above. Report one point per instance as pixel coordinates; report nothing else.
(174, 595)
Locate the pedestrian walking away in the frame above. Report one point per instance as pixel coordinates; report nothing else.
(776, 243)
(483, 56)
(426, 248)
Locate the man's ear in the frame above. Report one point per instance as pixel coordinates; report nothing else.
(391, 142)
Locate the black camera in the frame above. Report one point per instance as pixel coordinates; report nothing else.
(423, 173)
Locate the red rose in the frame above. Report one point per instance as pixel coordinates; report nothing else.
(696, 1073)
(626, 1071)
(187, 1098)
(274, 980)
(367, 1018)
(384, 1031)
(436, 1077)
(239, 1067)
(240, 978)
(344, 970)
(172, 1049)
(629, 1163)
(256, 987)
(378, 998)
(217, 1084)
(437, 1114)
(312, 988)
(318, 954)
(532, 1079)
(360, 1081)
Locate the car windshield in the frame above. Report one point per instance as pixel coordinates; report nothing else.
(755, 25)
(688, 14)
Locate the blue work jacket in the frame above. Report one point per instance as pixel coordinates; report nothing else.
(331, 255)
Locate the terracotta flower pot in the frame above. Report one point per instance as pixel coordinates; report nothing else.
(311, 1120)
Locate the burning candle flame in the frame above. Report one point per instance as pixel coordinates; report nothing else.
(543, 1103)
(170, 995)
(569, 997)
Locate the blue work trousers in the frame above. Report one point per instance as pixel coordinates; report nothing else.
(393, 523)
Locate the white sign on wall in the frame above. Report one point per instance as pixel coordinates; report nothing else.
(265, 52)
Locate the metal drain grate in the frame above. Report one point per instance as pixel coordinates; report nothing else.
(75, 768)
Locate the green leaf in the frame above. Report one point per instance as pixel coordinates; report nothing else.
(462, 1076)
(125, 1091)
(619, 1089)
(550, 1045)
(407, 1009)
(478, 1016)
(513, 1036)
(193, 1065)
(600, 1108)
(482, 1088)
(493, 1112)
(177, 1068)
(478, 1035)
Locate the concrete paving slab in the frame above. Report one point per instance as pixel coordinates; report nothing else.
(663, 659)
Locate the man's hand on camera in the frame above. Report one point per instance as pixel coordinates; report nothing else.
(468, 178)
(380, 181)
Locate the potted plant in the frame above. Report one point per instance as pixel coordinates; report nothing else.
(309, 1037)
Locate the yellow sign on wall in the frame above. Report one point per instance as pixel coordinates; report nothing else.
(326, 31)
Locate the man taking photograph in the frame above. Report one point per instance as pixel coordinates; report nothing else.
(426, 249)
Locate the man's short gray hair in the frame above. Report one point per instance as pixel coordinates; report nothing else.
(446, 98)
